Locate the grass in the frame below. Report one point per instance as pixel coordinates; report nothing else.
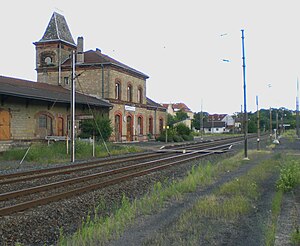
(100, 230)
(288, 180)
(271, 230)
(56, 152)
(290, 135)
(228, 203)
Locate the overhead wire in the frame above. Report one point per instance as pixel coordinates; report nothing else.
(92, 112)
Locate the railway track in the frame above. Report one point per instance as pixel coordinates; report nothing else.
(22, 199)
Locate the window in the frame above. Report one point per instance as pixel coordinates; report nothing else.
(140, 95)
(151, 125)
(140, 125)
(48, 60)
(129, 93)
(161, 125)
(66, 80)
(118, 91)
(43, 121)
(45, 124)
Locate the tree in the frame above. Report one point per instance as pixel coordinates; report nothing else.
(180, 116)
(196, 122)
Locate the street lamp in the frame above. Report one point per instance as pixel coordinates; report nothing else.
(166, 128)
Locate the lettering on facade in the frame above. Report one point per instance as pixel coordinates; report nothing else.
(129, 108)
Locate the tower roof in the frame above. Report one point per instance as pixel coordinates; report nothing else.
(57, 30)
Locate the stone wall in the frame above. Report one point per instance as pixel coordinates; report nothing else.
(24, 117)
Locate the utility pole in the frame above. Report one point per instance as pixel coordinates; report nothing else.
(201, 120)
(270, 124)
(258, 125)
(73, 109)
(297, 110)
(245, 100)
(277, 124)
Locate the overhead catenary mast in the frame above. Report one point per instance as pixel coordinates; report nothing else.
(73, 109)
(297, 110)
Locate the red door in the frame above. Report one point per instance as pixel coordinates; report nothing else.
(4, 125)
(129, 135)
(60, 126)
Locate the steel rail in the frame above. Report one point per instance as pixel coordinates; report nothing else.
(32, 172)
(42, 201)
(76, 169)
(40, 188)
(42, 173)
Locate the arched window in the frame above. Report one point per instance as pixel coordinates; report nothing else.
(118, 90)
(140, 125)
(140, 95)
(129, 93)
(45, 124)
(161, 125)
(151, 125)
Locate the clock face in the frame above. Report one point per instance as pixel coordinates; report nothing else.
(48, 60)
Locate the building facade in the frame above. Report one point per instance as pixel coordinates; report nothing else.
(31, 110)
(134, 116)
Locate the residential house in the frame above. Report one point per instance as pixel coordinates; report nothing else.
(214, 127)
(173, 108)
(227, 119)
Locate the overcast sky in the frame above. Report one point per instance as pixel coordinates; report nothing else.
(179, 44)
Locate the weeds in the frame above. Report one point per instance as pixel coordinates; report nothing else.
(289, 176)
(295, 237)
(101, 230)
(271, 230)
(56, 152)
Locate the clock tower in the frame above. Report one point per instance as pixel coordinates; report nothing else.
(53, 49)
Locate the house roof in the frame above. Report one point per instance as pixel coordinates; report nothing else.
(216, 117)
(215, 124)
(151, 103)
(57, 30)
(96, 57)
(44, 92)
(177, 106)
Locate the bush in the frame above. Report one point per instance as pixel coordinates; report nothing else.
(177, 138)
(188, 137)
(289, 176)
(182, 129)
(100, 126)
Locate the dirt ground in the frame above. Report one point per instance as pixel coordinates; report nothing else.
(159, 229)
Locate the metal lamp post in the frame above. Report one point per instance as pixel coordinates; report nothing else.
(245, 100)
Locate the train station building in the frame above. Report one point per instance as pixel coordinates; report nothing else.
(33, 110)
(134, 116)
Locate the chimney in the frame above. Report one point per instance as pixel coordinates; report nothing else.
(80, 54)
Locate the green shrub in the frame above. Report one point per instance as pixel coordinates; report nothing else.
(177, 139)
(182, 129)
(100, 127)
(289, 176)
(188, 137)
